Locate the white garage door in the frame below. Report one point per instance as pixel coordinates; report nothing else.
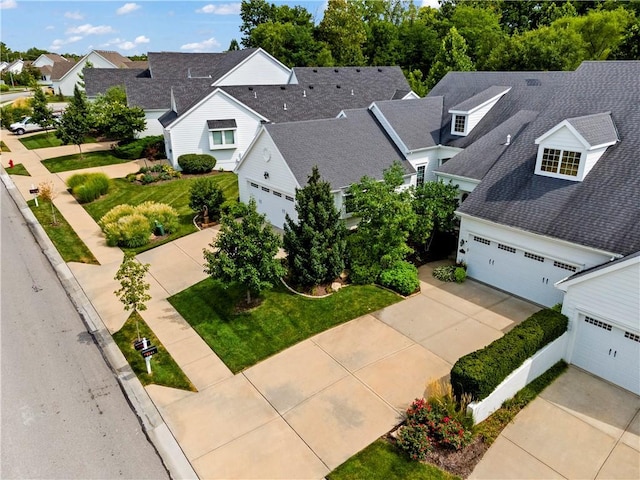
(522, 273)
(609, 352)
(273, 203)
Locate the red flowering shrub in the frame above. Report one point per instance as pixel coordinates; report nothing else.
(413, 438)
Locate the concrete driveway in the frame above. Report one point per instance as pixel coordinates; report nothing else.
(306, 410)
(579, 427)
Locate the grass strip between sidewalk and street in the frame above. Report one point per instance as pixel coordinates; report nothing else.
(242, 339)
(18, 169)
(63, 237)
(164, 370)
(383, 461)
(175, 193)
(3, 147)
(47, 140)
(67, 163)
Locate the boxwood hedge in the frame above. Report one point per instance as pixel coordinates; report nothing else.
(480, 372)
(196, 163)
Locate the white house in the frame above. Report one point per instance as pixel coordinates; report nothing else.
(46, 63)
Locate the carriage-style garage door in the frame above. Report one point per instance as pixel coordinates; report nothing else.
(273, 203)
(517, 271)
(609, 352)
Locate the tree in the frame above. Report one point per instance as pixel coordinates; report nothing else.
(133, 288)
(254, 13)
(480, 27)
(233, 45)
(417, 83)
(343, 31)
(244, 253)
(386, 219)
(315, 244)
(87, 65)
(452, 57)
(41, 113)
(111, 116)
(434, 204)
(206, 196)
(74, 123)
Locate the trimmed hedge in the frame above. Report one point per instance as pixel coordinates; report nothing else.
(480, 372)
(87, 187)
(141, 148)
(402, 278)
(196, 163)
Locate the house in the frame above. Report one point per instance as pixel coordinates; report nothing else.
(15, 67)
(46, 63)
(602, 304)
(65, 76)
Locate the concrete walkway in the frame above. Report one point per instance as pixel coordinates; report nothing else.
(304, 411)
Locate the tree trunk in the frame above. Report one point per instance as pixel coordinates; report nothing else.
(248, 297)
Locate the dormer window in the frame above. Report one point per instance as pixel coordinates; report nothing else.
(571, 149)
(466, 115)
(459, 124)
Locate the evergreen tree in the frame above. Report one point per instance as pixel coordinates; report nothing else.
(42, 114)
(315, 245)
(452, 57)
(244, 253)
(74, 124)
(233, 45)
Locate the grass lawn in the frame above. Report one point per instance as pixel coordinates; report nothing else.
(64, 238)
(164, 370)
(73, 162)
(383, 461)
(3, 147)
(46, 140)
(174, 193)
(282, 320)
(18, 169)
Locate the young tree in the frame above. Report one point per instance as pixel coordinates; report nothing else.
(74, 123)
(42, 114)
(452, 57)
(434, 204)
(133, 288)
(315, 245)
(244, 253)
(386, 219)
(111, 116)
(206, 197)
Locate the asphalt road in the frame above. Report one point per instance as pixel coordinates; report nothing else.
(63, 414)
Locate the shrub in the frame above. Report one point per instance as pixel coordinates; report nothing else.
(402, 277)
(459, 274)
(87, 187)
(116, 213)
(4, 87)
(451, 434)
(480, 372)
(234, 208)
(413, 438)
(129, 231)
(161, 213)
(47, 191)
(141, 148)
(205, 192)
(196, 163)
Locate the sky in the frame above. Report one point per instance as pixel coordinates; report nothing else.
(130, 28)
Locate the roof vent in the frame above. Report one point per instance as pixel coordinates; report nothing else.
(508, 142)
(285, 106)
(357, 69)
(338, 86)
(304, 93)
(189, 72)
(310, 87)
(379, 69)
(315, 70)
(283, 87)
(352, 91)
(250, 88)
(533, 82)
(335, 70)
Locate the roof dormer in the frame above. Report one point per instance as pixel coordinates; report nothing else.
(571, 149)
(466, 115)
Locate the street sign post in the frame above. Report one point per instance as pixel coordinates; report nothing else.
(147, 352)
(34, 191)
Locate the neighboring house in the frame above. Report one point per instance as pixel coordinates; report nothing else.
(603, 306)
(46, 64)
(65, 77)
(15, 67)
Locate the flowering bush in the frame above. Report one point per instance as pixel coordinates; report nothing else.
(414, 439)
(451, 434)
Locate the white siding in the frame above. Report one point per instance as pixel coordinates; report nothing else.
(259, 69)
(189, 133)
(68, 82)
(563, 138)
(428, 158)
(153, 126)
(474, 118)
(591, 158)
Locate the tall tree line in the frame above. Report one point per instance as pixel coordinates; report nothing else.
(460, 35)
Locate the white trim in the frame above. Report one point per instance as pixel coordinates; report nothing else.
(602, 269)
(457, 177)
(571, 128)
(483, 104)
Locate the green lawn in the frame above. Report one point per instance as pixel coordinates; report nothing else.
(383, 461)
(64, 238)
(3, 147)
(18, 169)
(46, 140)
(164, 370)
(73, 162)
(282, 320)
(174, 193)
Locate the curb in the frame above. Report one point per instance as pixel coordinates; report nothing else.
(157, 431)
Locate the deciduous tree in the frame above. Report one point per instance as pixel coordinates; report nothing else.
(133, 287)
(74, 123)
(452, 57)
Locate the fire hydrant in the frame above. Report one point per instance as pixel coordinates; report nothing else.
(10, 163)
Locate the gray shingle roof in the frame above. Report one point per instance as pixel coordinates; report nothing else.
(480, 98)
(392, 77)
(177, 65)
(601, 212)
(417, 122)
(344, 149)
(99, 80)
(226, 123)
(597, 129)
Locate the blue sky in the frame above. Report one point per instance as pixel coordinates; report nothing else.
(128, 27)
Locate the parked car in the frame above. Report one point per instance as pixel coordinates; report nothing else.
(27, 125)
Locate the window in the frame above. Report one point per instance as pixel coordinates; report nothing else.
(265, 189)
(222, 133)
(420, 176)
(347, 201)
(533, 256)
(481, 240)
(564, 162)
(254, 185)
(459, 123)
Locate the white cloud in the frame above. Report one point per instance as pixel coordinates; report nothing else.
(128, 8)
(59, 43)
(127, 45)
(7, 4)
(74, 15)
(49, 27)
(141, 39)
(205, 46)
(221, 9)
(88, 29)
(431, 3)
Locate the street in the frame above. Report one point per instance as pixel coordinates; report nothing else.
(63, 414)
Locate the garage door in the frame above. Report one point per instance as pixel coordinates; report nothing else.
(517, 271)
(274, 204)
(609, 352)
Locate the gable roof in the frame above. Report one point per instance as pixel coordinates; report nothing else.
(601, 212)
(60, 69)
(597, 129)
(480, 99)
(391, 76)
(114, 58)
(345, 149)
(177, 65)
(598, 270)
(99, 80)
